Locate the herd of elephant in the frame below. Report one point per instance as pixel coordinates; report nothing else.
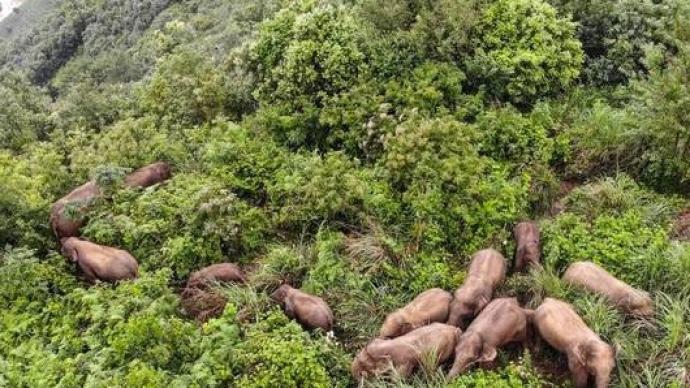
(468, 325)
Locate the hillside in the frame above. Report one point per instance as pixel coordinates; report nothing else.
(17, 16)
(361, 151)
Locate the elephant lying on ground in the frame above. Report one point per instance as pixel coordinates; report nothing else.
(222, 273)
(560, 326)
(430, 306)
(309, 310)
(98, 262)
(68, 225)
(502, 321)
(595, 279)
(149, 175)
(487, 271)
(406, 353)
(527, 252)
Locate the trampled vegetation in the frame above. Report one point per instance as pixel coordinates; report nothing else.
(359, 150)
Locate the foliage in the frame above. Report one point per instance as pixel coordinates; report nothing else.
(616, 35)
(303, 60)
(524, 51)
(24, 112)
(360, 151)
(191, 221)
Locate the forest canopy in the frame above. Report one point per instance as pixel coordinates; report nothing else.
(359, 150)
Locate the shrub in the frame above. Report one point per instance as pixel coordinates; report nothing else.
(524, 51)
(24, 112)
(623, 245)
(190, 222)
(615, 35)
(512, 137)
(277, 352)
(451, 195)
(331, 188)
(187, 89)
(303, 60)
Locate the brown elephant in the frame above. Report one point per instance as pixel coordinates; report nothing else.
(309, 310)
(560, 326)
(68, 225)
(502, 321)
(404, 354)
(149, 175)
(98, 262)
(527, 252)
(222, 273)
(487, 271)
(429, 306)
(591, 277)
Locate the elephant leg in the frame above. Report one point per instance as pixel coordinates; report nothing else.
(405, 370)
(580, 375)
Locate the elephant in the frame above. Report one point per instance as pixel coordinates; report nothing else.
(501, 322)
(66, 225)
(222, 272)
(588, 356)
(98, 262)
(149, 175)
(527, 252)
(592, 277)
(309, 310)
(430, 306)
(405, 353)
(487, 271)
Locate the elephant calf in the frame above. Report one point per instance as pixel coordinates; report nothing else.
(560, 326)
(527, 251)
(502, 321)
(99, 262)
(487, 271)
(405, 353)
(149, 175)
(595, 279)
(222, 273)
(430, 306)
(309, 310)
(66, 225)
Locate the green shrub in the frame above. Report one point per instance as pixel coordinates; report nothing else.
(524, 51)
(451, 195)
(623, 245)
(276, 352)
(303, 60)
(189, 222)
(512, 137)
(24, 114)
(615, 35)
(313, 189)
(186, 90)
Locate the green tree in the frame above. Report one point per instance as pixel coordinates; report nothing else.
(524, 51)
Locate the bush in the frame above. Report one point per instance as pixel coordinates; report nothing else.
(186, 90)
(512, 137)
(24, 114)
(190, 222)
(303, 60)
(314, 189)
(615, 35)
(277, 352)
(452, 196)
(524, 51)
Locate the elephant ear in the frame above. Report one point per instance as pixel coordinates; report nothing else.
(480, 303)
(489, 354)
(581, 353)
(74, 254)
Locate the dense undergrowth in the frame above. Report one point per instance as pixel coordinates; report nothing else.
(360, 150)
